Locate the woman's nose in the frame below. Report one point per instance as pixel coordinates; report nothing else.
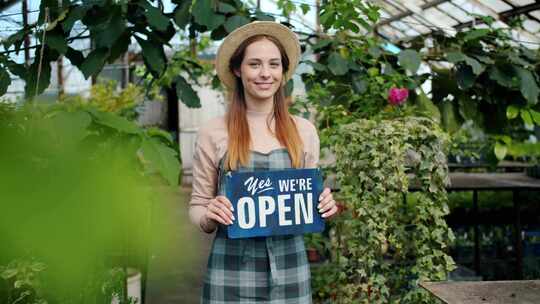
(265, 71)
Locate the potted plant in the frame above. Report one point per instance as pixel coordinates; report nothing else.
(315, 247)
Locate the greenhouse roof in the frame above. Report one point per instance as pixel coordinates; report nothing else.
(406, 19)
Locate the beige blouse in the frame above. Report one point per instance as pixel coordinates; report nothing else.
(211, 146)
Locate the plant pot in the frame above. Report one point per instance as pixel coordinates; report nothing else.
(133, 286)
(313, 255)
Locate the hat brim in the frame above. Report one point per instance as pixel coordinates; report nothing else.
(283, 34)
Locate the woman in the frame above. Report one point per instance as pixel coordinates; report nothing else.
(257, 133)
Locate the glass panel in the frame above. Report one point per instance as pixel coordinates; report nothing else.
(397, 4)
(531, 25)
(521, 2)
(389, 8)
(416, 24)
(391, 33)
(526, 39)
(535, 14)
(473, 7)
(384, 14)
(497, 5)
(499, 24)
(455, 12)
(438, 18)
(400, 26)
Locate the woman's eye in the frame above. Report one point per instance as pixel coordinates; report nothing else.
(275, 64)
(254, 65)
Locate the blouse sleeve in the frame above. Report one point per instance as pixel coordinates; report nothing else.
(205, 175)
(311, 146)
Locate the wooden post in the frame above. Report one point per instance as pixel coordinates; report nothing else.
(60, 75)
(517, 235)
(476, 234)
(26, 37)
(125, 70)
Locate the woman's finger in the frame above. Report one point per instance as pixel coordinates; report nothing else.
(217, 211)
(330, 212)
(327, 205)
(215, 218)
(326, 200)
(223, 207)
(325, 193)
(225, 201)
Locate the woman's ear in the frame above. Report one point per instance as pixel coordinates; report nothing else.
(237, 73)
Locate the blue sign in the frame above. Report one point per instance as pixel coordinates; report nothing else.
(277, 202)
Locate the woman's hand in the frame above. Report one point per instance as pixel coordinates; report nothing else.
(327, 204)
(220, 210)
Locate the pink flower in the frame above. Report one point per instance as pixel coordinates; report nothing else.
(397, 96)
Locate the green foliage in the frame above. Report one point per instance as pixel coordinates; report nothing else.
(107, 98)
(385, 246)
(93, 177)
(112, 25)
(354, 73)
(22, 278)
(497, 85)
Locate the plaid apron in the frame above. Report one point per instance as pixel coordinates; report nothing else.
(270, 270)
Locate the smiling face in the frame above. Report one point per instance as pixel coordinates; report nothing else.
(261, 71)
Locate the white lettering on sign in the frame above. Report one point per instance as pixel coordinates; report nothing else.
(256, 186)
(307, 211)
(242, 204)
(303, 210)
(282, 209)
(289, 185)
(267, 206)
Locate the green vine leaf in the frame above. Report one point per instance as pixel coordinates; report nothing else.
(204, 14)
(182, 15)
(32, 78)
(161, 159)
(186, 93)
(153, 55)
(476, 34)
(535, 116)
(94, 62)
(337, 64)
(512, 112)
(465, 77)
(410, 60)
(115, 122)
(500, 150)
(57, 41)
(526, 116)
(235, 22)
(528, 86)
(156, 19)
(5, 81)
(226, 8)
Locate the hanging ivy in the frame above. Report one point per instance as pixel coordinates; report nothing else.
(383, 246)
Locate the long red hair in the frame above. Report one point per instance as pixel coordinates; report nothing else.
(237, 125)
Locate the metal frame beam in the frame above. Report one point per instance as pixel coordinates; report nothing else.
(505, 15)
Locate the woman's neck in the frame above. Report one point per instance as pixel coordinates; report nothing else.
(259, 106)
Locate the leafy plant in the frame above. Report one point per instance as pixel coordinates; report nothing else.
(93, 177)
(112, 25)
(493, 82)
(105, 97)
(384, 245)
(23, 283)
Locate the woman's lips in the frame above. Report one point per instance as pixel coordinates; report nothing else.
(263, 85)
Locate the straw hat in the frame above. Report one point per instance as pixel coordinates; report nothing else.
(282, 33)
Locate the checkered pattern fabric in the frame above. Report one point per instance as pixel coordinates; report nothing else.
(270, 270)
